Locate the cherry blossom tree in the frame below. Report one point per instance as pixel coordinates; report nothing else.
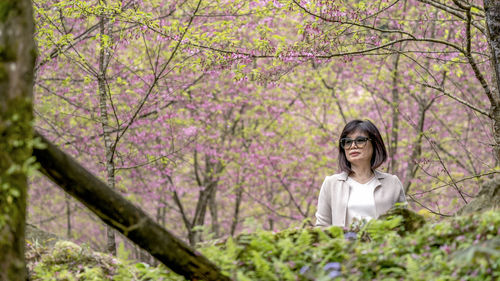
(223, 116)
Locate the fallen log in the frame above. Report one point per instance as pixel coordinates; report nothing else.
(122, 215)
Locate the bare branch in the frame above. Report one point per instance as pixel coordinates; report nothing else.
(455, 12)
(353, 23)
(457, 99)
(427, 208)
(157, 77)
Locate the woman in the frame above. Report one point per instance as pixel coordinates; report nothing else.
(360, 191)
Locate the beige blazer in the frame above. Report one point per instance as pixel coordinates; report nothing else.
(334, 195)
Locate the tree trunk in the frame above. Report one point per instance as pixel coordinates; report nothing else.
(492, 12)
(68, 216)
(237, 205)
(495, 113)
(195, 234)
(208, 185)
(161, 211)
(17, 60)
(107, 130)
(271, 224)
(212, 205)
(417, 149)
(122, 215)
(393, 149)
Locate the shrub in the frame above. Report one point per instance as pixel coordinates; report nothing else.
(459, 248)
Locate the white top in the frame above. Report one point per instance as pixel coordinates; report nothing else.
(361, 203)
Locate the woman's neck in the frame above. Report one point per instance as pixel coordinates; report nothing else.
(361, 174)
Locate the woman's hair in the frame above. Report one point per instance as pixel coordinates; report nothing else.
(379, 152)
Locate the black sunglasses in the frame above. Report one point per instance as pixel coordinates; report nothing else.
(346, 143)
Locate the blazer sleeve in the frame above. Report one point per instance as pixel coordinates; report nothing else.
(324, 212)
(402, 196)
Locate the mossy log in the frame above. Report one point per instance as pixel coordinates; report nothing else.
(35, 235)
(410, 223)
(487, 198)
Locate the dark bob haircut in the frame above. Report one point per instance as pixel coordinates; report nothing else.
(379, 152)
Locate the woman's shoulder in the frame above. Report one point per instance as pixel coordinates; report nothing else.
(335, 177)
(387, 177)
(381, 174)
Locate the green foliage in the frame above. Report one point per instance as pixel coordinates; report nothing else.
(461, 248)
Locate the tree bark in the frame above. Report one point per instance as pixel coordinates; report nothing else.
(104, 56)
(17, 60)
(393, 149)
(206, 199)
(417, 149)
(213, 212)
(122, 215)
(237, 204)
(195, 234)
(492, 13)
(68, 216)
(161, 211)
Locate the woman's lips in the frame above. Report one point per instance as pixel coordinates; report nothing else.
(354, 153)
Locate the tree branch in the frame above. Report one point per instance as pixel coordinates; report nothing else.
(157, 77)
(352, 23)
(458, 99)
(454, 12)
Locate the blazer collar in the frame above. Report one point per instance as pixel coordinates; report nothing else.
(343, 176)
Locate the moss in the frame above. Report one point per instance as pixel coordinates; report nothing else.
(3, 72)
(488, 198)
(410, 222)
(69, 261)
(16, 135)
(7, 54)
(35, 235)
(15, 152)
(8, 10)
(5, 7)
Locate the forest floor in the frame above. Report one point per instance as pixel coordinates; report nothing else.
(399, 246)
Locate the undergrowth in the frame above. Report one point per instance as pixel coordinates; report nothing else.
(459, 248)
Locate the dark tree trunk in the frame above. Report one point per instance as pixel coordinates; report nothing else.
(492, 12)
(122, 215)
(68, 216)
(237, 204)
(416, 153)
(206, 199)
(17, 60)
(393, 148)
(104, 56)
(213, 212)
(195, 234)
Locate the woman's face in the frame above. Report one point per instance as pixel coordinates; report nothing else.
(356, 155)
